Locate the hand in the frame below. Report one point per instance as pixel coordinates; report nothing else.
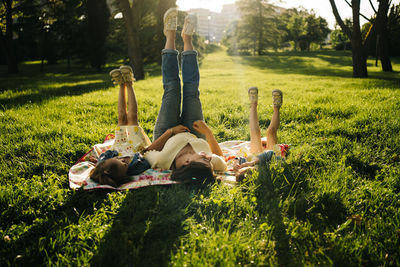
(201, 127)
(241, 174)
(179, 129)
(238, 167)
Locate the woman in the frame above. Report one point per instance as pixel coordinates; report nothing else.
(179, 134)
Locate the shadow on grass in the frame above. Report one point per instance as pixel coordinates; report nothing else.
(268, 204)
(302, 63)
(39, 96)
(278, 185)
(147, 227)
(47, 235)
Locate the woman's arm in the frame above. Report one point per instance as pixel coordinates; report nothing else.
(159, 143)
(203, 128)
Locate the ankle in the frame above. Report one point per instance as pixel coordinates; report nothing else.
(187, 38)
(254, 104)
(170, 34)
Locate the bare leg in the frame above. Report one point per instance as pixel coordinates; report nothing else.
(187, 42)
(255, 133)
(122, 117)
(132, 105)
(272, 137)
(170, 39)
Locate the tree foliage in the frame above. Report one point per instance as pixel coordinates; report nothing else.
(339, 40)
(263, 26)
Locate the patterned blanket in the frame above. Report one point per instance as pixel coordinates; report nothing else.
(79, 172)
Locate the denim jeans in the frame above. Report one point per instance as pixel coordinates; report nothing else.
(170, 113)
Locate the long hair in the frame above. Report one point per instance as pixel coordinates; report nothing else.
(194, 172)
(103, 175)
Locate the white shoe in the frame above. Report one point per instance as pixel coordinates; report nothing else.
(190, 24)
(170, 19)
(277, 98)
(126, 73)
(116, 77)
(253, 95)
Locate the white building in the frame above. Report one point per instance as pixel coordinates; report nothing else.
(212, 25)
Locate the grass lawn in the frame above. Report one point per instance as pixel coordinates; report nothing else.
(335, 202)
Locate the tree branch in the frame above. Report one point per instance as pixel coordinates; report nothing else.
(347, 2)
(372, 6)
(365, 17)
(339, 20)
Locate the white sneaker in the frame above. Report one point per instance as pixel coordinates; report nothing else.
(170, 19)
(126, 73)
(277, 98)
(116, 77)
(253, 95)
(190, 24)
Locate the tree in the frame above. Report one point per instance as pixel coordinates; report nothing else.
(359, 55)
(340, 41)
(257, 23)
(98, 16)
(6, 38)
(394, 30)
(379, 33)
(295, 26)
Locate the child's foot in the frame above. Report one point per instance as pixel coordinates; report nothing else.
(253, 95)
(127, 74)
(170, 20)
(116, 77)
(190, 25)
(277, 98)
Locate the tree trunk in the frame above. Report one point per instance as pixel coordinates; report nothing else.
(132, 22)
(7, 40)
(381, 29)
(359, 60)
(359, 54)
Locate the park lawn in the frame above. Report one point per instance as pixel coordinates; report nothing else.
(336, 201)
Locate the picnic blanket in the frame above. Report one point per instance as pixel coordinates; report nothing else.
(79, 173)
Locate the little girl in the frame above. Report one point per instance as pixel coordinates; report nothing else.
(244, 165)
(123, 160)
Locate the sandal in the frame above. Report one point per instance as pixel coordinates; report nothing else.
(253, 95)
(127, 73)
(277, 98)
(116, 76)
(170, 19)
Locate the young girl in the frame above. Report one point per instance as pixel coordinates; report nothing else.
(256, 148)
(115, 165)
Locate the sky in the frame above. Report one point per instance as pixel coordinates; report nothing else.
(321, 7)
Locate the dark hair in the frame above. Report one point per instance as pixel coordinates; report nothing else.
(194, 172)
(103, 175)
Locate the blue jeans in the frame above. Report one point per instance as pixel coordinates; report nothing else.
(170, 113)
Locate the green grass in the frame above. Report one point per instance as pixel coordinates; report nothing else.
(335, 202)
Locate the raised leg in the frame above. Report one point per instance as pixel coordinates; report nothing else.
(122, 116)
(255, 133)
(169, 114)
(132, 105)
(272, 131)
(191, 106)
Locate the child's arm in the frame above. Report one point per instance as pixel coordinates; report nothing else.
(203, 128)
(241, 173)
(253, 163)
(159, 143)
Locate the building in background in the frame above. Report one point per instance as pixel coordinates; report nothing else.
(212, 25)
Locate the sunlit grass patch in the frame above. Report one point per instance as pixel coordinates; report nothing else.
(335, 202)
